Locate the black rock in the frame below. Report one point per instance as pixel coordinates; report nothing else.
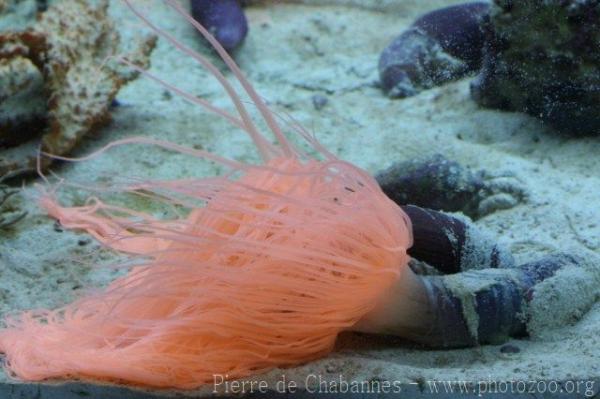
(543, 58)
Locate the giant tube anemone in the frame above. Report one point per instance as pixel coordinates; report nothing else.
(276, 262)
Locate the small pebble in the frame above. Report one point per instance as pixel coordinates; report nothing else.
(57, 227)
(440, 46)
(508, 348)
(319, 101)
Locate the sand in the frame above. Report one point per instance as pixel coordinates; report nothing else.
(330, 49)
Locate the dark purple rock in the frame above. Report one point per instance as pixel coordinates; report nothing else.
(458, 29)
(488, 305)
(225, 19)
(441, 184)
(439, 47)
(433, 182)
(453, 245)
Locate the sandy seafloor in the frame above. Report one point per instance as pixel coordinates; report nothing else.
(296, 51)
